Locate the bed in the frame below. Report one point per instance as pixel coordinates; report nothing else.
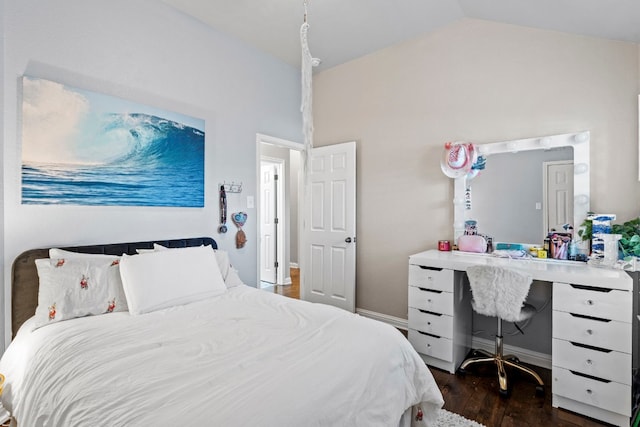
(241, 356)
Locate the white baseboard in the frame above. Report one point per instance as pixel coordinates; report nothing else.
(527, 356)
(264, 285)
(391, 320)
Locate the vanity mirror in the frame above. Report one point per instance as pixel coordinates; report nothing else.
(508, 198)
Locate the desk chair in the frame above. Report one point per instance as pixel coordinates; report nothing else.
(500, 292)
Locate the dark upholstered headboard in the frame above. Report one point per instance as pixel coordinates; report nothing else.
(24, 275)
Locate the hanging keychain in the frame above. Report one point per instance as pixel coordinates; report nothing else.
(239, 218)
(223, 211)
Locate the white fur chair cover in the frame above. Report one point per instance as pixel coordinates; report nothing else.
(499, 292)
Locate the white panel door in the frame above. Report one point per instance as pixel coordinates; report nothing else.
(329, 271)
(559, 206)
(268, 222)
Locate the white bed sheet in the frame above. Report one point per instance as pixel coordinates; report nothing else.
(244, 358)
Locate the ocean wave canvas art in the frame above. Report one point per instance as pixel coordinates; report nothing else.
(85, 148)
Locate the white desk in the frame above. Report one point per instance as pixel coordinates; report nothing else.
(592, 325)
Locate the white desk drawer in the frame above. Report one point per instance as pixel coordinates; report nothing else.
(614, 304)
(612, 396)
(437, 324)
(436, 279)
(436, 302)
(611, 335)
(438, 347)
(611, 365)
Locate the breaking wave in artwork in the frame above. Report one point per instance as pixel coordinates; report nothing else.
(130, 159)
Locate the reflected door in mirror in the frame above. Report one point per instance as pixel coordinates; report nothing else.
(559, 195)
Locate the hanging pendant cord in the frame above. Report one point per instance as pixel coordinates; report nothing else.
(308, 62)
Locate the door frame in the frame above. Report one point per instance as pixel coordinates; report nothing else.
(291, 145)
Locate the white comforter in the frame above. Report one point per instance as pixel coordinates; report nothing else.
(245, 358)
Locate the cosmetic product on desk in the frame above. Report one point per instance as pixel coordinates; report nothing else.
(471, 227)
(600, 226)
(444, 245)
(489, 245)
(610, 252)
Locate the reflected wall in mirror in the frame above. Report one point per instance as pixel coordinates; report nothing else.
(508, 198)
(505, 197)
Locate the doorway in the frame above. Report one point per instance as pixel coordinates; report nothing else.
(271, 227)
(279, 229)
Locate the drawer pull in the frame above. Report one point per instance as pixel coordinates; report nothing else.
(591, 288)
(430, 290)
(589, 302)
(424, 267)
(591, 347)
(589, 362)
(428, 334)
(589, 332)
(589, 391)
(591, 377)
(430, 312)
(582, 316)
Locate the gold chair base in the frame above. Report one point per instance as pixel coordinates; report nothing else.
(501, 360)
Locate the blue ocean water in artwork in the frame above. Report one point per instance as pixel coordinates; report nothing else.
(130, 160)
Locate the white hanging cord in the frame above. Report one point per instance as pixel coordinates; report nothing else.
(308, 62)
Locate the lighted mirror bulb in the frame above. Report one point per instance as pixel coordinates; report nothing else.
(580, 168)
(545, 142)
(581, 199)
(581, 137)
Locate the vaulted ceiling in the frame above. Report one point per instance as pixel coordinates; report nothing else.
(341, 30)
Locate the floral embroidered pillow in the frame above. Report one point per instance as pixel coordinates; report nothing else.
(78, 287)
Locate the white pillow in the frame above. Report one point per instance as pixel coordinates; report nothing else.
(78, 287)
(144, 251)
(162, 279)
(115, 282)
(233, 279)
(222, 257)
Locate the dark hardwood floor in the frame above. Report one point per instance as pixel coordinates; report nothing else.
(475, 396)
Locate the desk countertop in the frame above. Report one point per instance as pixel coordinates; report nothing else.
(539, 269)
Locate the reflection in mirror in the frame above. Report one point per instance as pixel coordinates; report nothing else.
(505, 209)
(508, 198)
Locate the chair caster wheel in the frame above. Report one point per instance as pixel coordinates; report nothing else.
(539, 391)
(504, 393)
(461, 372)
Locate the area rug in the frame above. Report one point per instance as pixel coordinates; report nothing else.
(449, 419)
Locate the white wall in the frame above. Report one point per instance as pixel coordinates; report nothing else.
(473, 81)
(147, 52)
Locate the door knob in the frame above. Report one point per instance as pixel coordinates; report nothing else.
(348, 240)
